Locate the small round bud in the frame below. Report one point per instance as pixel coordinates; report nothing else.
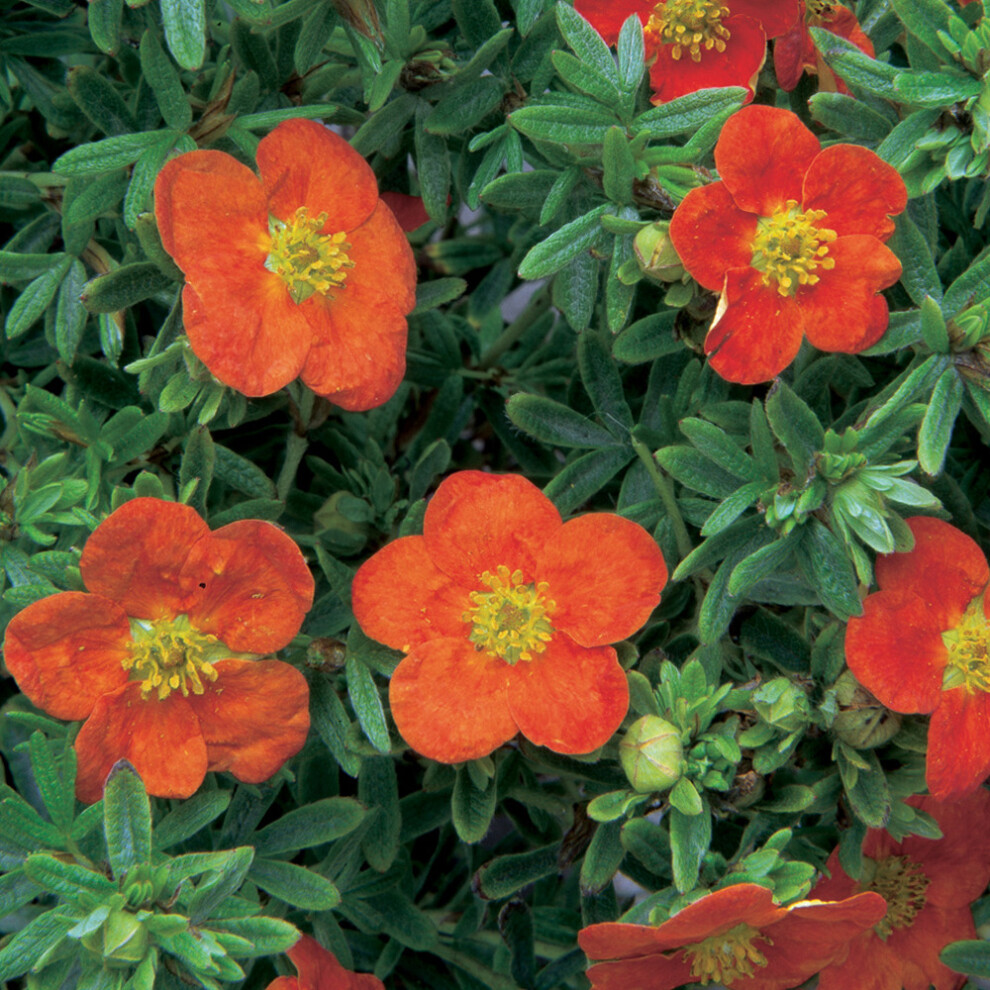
(656, 255)
(652, 755)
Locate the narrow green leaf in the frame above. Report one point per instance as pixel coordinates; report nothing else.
(919, 276)
(586, 42)
(367, 704)
(185, 31)
(96, 96)
(432, 165)
(35, 299)
(103, 18)
(603, 384)
(762, 563)
(32, 943)
(603, 858)
(189, 817)
(70, 314)
(124, 287)
(295, 885)
(126, 819)
(554, 423)
(690, 837)
(471, 808)
(828, 570)
(378, 789)
(940, 417)
(56, 784)
(971, 957)
(795, 425)
(503, 876)
(198, 459)
(165, 83)
(564, 244)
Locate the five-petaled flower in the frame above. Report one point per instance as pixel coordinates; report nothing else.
(928, 885)
(738, 937)
(795, 52)
(303, 273)
(792, 237)
(697, 44)
(319, 969)
(922, 645)
(162, 656)
(505, 613)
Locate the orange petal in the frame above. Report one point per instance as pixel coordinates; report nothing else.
(303, 163)
(653, 972)
(254, 717)
(161, 739)
(249, 585)
(792, 53)
(918, 946)
(569, 698)
(958, 744)
(408, 211)
(68, 650)
(608, 597)
(870, 965)
(478, 521)
(840, 312)
(776, 16)
(320, 970)
(449, 703)
(285, 983)
(946, 568)
(857, 189)
(711, 234)
(402, 599)
(895, 649)
(136, 555)
(757, 331)
(762, 155)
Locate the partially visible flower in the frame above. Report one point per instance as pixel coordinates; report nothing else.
(301, 273)
(922, 645)
(506, 613)
(408, 210)
(792, 238)
(794, 53)
(318, 969)
(162, 658)
(736, 936)
(696, 44)
(928, 885)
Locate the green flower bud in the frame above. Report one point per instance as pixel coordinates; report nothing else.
(652, 755)
(121, 940)
(862, 722)
(656, 255)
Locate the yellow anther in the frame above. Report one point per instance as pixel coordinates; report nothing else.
(169, 655)
(969, 651)
(789, 247)
(689, 26)
(902, 883)
(306, 260)
(727, 957)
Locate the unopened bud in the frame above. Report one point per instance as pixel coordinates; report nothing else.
(862, 722)
(652, 755)
(121, 940)
(361, 15)
(656, 255)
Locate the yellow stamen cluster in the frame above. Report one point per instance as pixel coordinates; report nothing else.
(690, 26)
(818, 8)
(169, 655)
(306, 260)
(727, 957)
(511, 620)
(969, 651)
(902, 883)
(790, 246)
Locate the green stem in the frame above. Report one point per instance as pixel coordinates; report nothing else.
(536, 307)
(666, 492)
(472, 967)
(296, 445)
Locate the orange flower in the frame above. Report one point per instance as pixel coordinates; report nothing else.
(696, 44)
(161, 656)
(923, 645)
(795, 52)
(928, 885)
(792, 238)
(305, 273)
(319, 970)
(736, 936)
(506, 619)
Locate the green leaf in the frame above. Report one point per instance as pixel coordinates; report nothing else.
(35, 299)
(69, 881)
(772, 638)
(631, 55)
(432, 166)
(242, 474)
(225, 877)
(265, 936)
(696, 471)
(971, 957)
(827, 569)
(478, 19)
(935, 89)
(189, 817)
(198, 458)
(55, 783)
(185, 31)
(720, 447)
(295, 885)
(32, 943)
(503, 876)
(730, 508)
(687, 114)
(850, 117)
(924, 19)
(103, 18)
(96, 96)
(970, 288)
(856, 68)
(763, 563)
(554, 423)
(690, 837)
(331, 723)
(438, 292)
(16, 267)
(933, 327)
(936, 428)
(586, 42)
(165, 83)
(619, 167)
(70, 314)
(126, 819)
(472, 808)
(367, 704)
(869, 794)
(563, 124)
(585, 78)
(583, 477)
(603, 384)
(685, 798)
(575, 290)
(648, 339)
(312, 825)
(464, 107)
(124, 287)
(378, 789)
(795, 425)
(603, 858)
(919, 277)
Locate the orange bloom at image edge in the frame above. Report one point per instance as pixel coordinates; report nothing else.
(506, 614)
(792, 237)
(164, 656)
(318, 969)
(301, 271)
(737, 936)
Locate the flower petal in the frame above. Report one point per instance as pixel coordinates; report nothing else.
(792, 52)
(656, 972)
(840, 313)
(757, 331)
(402, 599)
(895, 649)
(569, 698)
(249, 585)
(303, 163)
(478, 521)
(608, 16)
(608, 597)
(67, 650)
(711, 234)
(776, 16)
(918, 946)
(160, 739)
(857, 189)
(409, 211)
(448, 701)
(762, 155)
(958, 744)
(870, 965)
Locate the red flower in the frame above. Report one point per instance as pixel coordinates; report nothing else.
(736, 936)
(922, 645)
(304, 273)
(161, 656)
(408, 210)
(319, 970)
(795, 52)
(792, 238)
(928, 885)
(506, 619)
(696, 44)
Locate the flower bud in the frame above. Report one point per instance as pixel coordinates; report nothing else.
(656, 255)
(862, 722)
(652, 755)
(121, 940)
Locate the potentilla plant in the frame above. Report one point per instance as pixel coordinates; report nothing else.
(494, 494)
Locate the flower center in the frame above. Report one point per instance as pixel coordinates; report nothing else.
(169, 655)
(306, 260)
(818, 8)
(510, 621)
(902, 883)
(727, 957)
(969, 651)
(789, 247)
(690, 25)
